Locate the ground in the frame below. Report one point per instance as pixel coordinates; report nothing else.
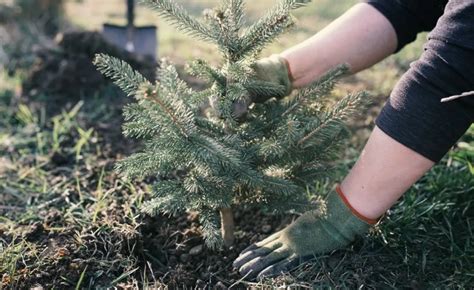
(67, 220)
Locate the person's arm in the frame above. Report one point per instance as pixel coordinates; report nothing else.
(361, 37)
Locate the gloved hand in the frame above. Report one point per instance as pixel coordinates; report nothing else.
(273, 70)
(331, 227)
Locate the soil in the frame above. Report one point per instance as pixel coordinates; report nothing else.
(65, 72)
(171, 248)
(180, 257)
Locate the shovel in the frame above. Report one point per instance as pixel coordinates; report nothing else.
(138, 40)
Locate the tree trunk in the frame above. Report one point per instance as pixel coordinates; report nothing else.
(227, 226)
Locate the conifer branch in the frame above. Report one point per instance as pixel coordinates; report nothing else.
(265, 90)
(209, 127)
(210, 222)
(200, 99)
(140, 123)
(153, 96)
(169, 81)
(264, 32)
(164, 202)
(178, 17)
(203, 69)
(273, 24)
(235, 12)
(320, 87)
(123, 75)
(145, 164)
(341, 111)
(210, 151)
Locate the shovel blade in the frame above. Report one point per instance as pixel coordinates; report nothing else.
(144, 39)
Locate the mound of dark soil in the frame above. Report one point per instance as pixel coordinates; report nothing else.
(65, 73)
(170, 251)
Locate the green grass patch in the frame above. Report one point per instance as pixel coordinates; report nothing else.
(72, 222)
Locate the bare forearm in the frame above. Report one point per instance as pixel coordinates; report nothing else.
(384, 171)
(361, 37)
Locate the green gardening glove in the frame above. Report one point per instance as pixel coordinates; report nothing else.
(272, 79)
(274, 70)
(332, 227)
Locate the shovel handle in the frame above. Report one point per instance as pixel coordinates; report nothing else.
(130, 47)
(130, 13)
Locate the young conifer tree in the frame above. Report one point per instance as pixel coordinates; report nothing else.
(270, 157)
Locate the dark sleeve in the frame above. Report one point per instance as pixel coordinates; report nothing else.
(415, 116)
(409, 17)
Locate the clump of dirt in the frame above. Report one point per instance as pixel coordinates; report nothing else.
(65, 73)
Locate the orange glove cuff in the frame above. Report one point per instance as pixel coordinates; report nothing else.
(353, 210)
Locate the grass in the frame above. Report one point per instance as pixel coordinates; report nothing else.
(68, 221)
(425, 241)
(91, 218)
(52, 188)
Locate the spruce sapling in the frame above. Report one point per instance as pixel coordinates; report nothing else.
(269, 156)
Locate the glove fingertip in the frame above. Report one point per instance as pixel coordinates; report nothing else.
(243, 259)
(249, 248)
